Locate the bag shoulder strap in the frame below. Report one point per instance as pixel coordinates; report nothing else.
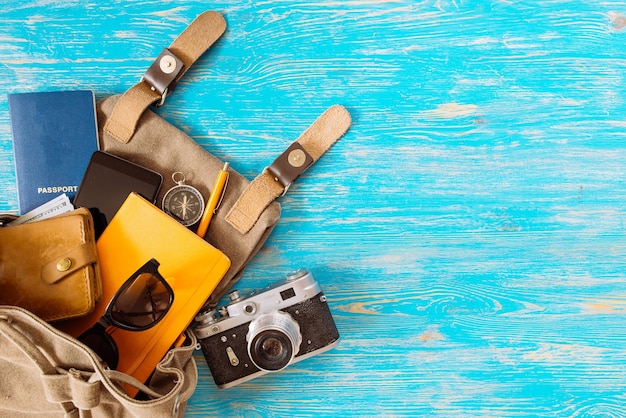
(275, 180)
(163, 75)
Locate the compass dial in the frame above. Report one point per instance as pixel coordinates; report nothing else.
(184, 203)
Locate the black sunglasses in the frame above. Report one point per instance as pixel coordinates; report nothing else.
(140, 303)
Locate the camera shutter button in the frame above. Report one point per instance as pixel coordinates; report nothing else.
(297, 274)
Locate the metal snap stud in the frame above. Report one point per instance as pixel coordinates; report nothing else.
(64, 264)
(296, 158)
(167, 64)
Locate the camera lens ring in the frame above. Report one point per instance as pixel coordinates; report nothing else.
(273, 341)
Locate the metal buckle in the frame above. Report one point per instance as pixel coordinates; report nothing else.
(290, 165)
(163, 73)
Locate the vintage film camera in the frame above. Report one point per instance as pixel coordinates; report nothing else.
(266, 331)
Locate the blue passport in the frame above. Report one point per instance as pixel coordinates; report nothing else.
(54, 136)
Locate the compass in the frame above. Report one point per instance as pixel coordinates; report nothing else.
(183, 202)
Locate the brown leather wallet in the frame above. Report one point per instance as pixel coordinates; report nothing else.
(50, 267)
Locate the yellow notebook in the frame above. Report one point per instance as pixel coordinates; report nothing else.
(138, 232)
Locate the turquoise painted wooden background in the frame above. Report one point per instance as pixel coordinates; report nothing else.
(469, 230)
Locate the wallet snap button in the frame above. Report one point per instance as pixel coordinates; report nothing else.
(64, 264)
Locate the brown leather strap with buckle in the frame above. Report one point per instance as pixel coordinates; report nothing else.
(275, 180)
(163, 75)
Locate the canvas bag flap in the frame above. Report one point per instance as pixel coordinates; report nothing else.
(248, 211)
(160, 146)
(137, 134)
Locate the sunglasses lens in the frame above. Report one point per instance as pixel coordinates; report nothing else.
(142, 303)
(99, 341)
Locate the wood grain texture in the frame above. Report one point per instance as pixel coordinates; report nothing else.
(469, 228)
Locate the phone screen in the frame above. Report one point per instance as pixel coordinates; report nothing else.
(109, 180)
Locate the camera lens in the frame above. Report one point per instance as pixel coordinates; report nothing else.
(273, 341)
(271, 350)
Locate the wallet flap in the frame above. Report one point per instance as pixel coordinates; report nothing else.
(68, 263)
(29, 254)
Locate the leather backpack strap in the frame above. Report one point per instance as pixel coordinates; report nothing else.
(275, 180)
(164, 73)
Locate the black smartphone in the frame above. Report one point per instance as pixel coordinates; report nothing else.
(108, 181)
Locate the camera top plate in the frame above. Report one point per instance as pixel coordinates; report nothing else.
(296, 287)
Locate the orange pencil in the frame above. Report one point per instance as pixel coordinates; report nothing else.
(216, 196)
